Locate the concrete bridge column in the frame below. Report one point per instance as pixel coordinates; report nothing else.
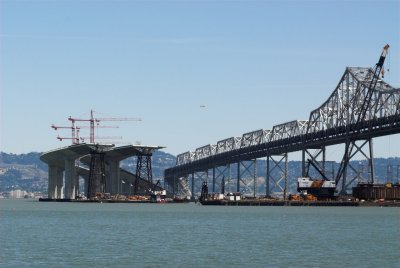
(59, 184)
(238, 178)
(52, 184)
(85, 185)
(213, 180)
(70, 174)
(113, 181)
(267, 179)
(192, 197)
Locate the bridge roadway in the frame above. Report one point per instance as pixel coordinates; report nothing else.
(369, 129)
(336, 121)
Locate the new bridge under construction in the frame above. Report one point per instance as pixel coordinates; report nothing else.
(362, 107)
(99, 165)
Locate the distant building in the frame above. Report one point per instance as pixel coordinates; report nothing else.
(18, 194)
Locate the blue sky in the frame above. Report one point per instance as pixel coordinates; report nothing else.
(253, 64)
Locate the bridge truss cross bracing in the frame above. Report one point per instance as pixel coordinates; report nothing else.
(342, 119)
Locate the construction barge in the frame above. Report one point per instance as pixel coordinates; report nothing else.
(331, 203)
(95, 201)
(313, 193)
(153, 197)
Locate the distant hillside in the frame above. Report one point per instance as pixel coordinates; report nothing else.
(24, 171)
(27, 172)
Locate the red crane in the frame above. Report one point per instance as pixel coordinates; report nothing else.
(74, 135)
(75, 132)
(101, 137)
(92, 121)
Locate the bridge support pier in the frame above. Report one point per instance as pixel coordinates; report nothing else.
(70, 174)
(277, 174)
(182, 186)
(213, 180)
(244, 168)
(60, 184)
(113, 180)
(352, 149)
(192, 187)
(97, 174)
(144, 170)
(52, 186)
(313, 157)
(219, 174)
(77, 179)
(195, 176)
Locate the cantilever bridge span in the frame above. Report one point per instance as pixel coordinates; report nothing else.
(356, 112)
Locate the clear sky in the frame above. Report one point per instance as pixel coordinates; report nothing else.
(253, 64)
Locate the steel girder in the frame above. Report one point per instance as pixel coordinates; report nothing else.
(228, 145)
(248, 168)
(204, 152)
(278, 181)
(143, 170)
(344, 106)
(332, 123)
(312, 155)
(221, 175)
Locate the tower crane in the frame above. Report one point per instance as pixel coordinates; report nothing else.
(75, 132)
(101, 137)
(74, 135)
(92, 120)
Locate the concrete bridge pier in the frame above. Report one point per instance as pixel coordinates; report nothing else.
(70, 174)
(113, 181)
(60, 184)
(55, 186)
(52, 186)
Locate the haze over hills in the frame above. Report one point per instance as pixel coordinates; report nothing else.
(27, 172)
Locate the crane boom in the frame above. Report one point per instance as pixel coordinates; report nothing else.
(363, 110)
(92, 120)
(372, 84)
(117, 119)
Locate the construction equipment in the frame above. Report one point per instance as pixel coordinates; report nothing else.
(204, 191)
(319, 188)
(374, 80)
(92, 120)
(372, 77)
(316, 189)
(76, 139)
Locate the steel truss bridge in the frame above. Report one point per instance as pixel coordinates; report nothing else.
(356, 112)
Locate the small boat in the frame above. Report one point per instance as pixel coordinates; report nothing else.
(179, 199)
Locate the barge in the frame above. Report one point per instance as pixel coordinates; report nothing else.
(261, 202)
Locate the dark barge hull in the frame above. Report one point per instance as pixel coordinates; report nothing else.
(95, 201)
(297, 203)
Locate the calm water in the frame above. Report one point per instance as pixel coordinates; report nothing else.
(39, 234)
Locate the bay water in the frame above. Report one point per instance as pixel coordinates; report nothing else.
(46, 234)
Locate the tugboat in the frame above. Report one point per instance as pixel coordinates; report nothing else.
(158, 196)
(179, 199)
(210, 199)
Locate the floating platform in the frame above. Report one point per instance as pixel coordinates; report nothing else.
(149, 201)
(95, 201)
(388, 191)
(255, 202)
